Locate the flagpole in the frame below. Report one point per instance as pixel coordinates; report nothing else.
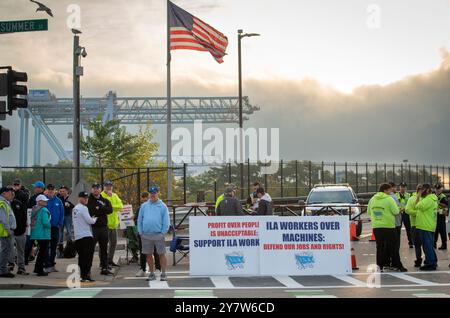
(169, 113)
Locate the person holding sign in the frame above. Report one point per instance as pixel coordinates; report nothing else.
(153, 225)
(84, 240)
(383, 211)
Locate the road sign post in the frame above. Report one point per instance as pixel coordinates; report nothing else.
(23, 26)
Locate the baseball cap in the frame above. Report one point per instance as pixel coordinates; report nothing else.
(97, 185)
(403, 184)
(64, 187)
(108, 183)
(39, 184)
(229, 190)
(50, 187)
(83, 194)
(17, 182)
(41, 197)
(438, 186)
(6, 189)
(153, 190)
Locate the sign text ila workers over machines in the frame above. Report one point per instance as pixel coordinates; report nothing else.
(252, 245)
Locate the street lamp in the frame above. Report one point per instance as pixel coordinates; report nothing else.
(241, 35)
(78, 52)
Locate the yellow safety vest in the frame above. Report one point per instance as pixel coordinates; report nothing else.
(7, 208)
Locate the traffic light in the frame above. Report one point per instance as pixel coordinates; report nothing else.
(4, 138)
(17, 94)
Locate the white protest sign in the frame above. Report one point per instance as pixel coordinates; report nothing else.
(314, 245)
(126, 217)
(266, 245)
(224, 246)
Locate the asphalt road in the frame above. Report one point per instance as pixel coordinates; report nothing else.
(413, 284)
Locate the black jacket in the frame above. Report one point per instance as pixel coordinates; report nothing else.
(264, 207)
(229, 206)
(100, 208)
(23, 195)
(20, 213)
(68, 206)
(32, 201)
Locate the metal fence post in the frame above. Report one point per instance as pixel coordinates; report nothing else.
(296, 178)
(334, 173)
(346, 172)
(431, 175)
(424, 172)
(393, 172)
(401, 173)
(281, 179)
(138, 186)
(148, 179)
(385, 172)
(322, 174)
(357, 178)
(409, 174)
(248, 176)
(417, 175)
(44, 177)
(184, 183)
(215, 191)
(310, 176)
(102, 175)
(367, 177)
(376, 176)
(229, 173)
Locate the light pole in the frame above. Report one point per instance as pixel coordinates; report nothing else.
(241, 35)
(78, 52)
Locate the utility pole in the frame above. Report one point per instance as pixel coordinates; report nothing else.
(78, 51)
(241, 119)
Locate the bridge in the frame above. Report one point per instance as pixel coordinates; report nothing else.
(45, 110)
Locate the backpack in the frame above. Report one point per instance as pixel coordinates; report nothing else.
(70, 251)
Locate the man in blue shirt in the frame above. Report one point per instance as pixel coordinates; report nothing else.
(153, 225)
(56, 208)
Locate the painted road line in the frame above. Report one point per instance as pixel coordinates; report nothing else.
(351, 280)
(194, 294)
(413, 279)
(416, 272)
(77, 293)
(432, 295)
(19, 293)
(318, 293)
(168, 276)
(409, 290)
(221, 282)
(288, 282)
(157, 284)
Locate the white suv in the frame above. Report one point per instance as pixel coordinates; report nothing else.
(339, 197)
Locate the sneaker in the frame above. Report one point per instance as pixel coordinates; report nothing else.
(42, 274)
(22, 272)
(141, 273)
(106, 272)
(442, 248)
(112, 264)
(7, 275)
(411, 245)
(417, 264)
(163, 277)
(51, 270)
(89, 279)
(151, 277)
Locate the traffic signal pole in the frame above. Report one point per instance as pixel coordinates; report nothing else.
(76, 115)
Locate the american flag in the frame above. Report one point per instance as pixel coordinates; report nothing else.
(190, 33)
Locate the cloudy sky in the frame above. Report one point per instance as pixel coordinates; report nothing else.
(349, 80)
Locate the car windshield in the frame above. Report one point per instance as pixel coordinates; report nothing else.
(317, 197)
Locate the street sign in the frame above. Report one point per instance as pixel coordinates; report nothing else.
(23, 26)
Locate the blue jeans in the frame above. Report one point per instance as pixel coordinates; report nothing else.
(51, 253)
(427, 239)
(68, 225)
(5, 251)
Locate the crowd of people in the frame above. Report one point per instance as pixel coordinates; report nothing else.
(422, 213)
(35, 227)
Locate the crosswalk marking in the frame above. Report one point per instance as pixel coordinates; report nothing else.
(351, 280)
(19, 293)
(194, 294)
(222, 282)
(413, 279)
(288, 282)
(157, 284)
(431, 295)
(77, 293)
(319, 293)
